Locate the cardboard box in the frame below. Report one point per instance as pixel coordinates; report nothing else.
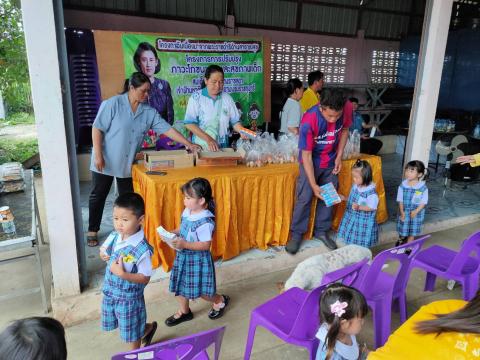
(223, 157)
(167, 159)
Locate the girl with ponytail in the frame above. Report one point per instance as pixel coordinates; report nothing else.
(342, 310)
(193, 273)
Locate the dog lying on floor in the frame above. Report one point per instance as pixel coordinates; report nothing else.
(309, 273)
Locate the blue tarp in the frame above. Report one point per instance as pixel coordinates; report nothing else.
(460, 84)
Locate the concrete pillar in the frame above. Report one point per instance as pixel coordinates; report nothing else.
(42, 54)
(427, 83)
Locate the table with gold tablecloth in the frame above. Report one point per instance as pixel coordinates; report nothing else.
(253, 205)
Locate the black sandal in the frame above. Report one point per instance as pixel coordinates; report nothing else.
(216, 314)
(173, 321)
(92, 240)
(147, 339)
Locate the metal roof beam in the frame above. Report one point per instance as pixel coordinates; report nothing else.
(351, 7)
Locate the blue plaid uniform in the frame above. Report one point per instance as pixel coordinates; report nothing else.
(359, 227)
(193, 273)
(411, 200)
(123, 304)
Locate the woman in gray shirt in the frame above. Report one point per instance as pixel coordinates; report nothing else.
(121, 123)
(292, 111)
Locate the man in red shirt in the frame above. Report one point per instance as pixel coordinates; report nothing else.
(323, 135)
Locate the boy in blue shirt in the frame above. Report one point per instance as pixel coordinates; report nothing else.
(129, 267)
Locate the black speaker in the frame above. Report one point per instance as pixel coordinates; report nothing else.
(463, 172)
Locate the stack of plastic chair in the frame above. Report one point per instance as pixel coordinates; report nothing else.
(293, 316)
(452, 265)
(382, 289)
(184, 348)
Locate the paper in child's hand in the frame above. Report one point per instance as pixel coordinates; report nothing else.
(166, 236)
(330, 195)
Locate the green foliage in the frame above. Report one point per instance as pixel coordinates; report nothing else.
(14, 81)
(17, 150)
(20, 118)
(19, 99)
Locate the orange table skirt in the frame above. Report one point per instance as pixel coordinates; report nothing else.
(253, 205)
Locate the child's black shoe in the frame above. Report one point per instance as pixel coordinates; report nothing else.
(215, 314)
(402, 240)
(172, 320)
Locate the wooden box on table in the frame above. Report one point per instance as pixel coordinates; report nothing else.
(223, 157)
(167, 159)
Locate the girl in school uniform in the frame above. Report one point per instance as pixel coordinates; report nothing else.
(412, 197)
(193, 273)
(359, 225)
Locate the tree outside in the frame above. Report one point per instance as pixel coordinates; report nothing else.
(17, 131)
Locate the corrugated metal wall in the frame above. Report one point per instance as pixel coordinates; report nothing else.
(328, 19)
(122, 5)
(270, 13)
(385, 26)
(382, 19)
(198, 9)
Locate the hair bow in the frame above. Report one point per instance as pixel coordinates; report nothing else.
(338, 308)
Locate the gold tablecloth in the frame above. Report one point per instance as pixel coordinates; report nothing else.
(253, 205)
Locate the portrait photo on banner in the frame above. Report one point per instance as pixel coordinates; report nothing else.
(176, 67)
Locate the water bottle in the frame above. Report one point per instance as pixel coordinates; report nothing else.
(450, 284)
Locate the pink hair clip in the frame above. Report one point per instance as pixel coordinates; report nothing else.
(338, 308)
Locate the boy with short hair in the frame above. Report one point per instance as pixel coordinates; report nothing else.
(128, 271)
(311, 95)
(323, 135)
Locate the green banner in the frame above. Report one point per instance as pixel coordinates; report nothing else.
(183, 61)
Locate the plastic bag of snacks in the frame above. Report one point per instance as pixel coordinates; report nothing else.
(243, 147)
(352, 147)
(11, 171)
(12, 186)
(254, 158)
(286, 150)
(12, 177)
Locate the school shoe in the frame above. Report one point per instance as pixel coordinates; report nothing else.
(327, 240)
(293, 246)
(173, 321)
(215, 314)
(401, 241)
(147, 339)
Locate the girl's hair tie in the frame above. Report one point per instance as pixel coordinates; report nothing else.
(338, 308)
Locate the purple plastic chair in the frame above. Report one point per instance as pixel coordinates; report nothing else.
(449, 264)
(382, 290)
(293, 316)
(183, 348)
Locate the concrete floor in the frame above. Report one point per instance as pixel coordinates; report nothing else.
(87, 341)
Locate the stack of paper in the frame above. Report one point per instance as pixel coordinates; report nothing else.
(166, 236)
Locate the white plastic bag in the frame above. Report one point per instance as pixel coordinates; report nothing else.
(352, 147)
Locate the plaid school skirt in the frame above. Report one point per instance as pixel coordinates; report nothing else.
(359, 228)
(411, 226)
(130, 316)
(193, 274)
